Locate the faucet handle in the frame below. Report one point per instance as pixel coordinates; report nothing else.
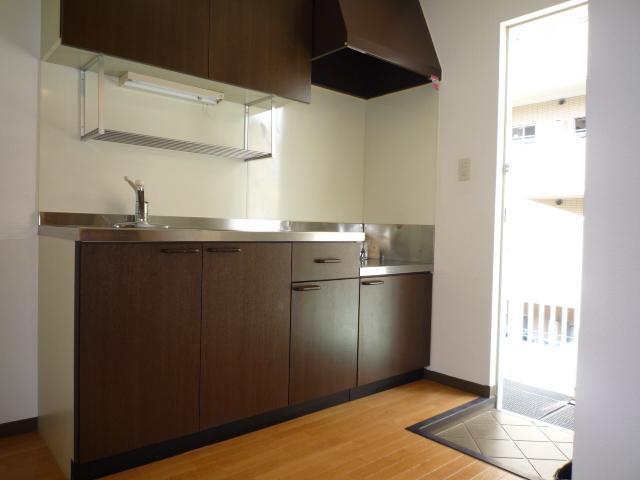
(136, 185)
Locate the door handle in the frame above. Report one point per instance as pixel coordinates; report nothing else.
(224, 250)
(306, 288)
(180, 250)
(327, 260)
(373, 282)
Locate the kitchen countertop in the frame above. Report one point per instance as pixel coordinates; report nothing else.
(106, 234)
(375, 267)
(97, 227)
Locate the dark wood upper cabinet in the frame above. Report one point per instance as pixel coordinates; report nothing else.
(262, 45)
(138, 333)
(245, 330)
(395, 326)
(172, 34)
(254, 44)
(324, 338)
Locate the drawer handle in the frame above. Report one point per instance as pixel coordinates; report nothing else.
(224, 250)
(327, 260)
(306, 288)
(180, 250)
(373, 282)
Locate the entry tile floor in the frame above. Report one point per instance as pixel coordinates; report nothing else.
(532, 448)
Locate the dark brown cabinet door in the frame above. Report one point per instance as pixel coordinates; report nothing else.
(395, 326)
(172, 34)
(262, 45)
(138, 355)
(324, 338)
(245, 331)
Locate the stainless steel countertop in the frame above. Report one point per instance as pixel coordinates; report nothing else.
(106, 234)
(376, 268)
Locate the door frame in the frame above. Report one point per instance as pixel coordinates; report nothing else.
(504, 128)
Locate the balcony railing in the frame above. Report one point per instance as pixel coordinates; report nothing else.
(545, 324)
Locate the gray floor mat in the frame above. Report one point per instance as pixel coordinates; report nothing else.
(562, 418)
(538, 404)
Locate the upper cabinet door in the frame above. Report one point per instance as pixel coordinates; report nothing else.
(171, 34)
(262, 45)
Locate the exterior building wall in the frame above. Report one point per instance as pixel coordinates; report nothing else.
(551, 118)
(550, 165)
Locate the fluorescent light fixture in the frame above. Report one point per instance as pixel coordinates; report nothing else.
(171, 89)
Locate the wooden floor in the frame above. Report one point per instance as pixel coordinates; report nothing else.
(363, 439)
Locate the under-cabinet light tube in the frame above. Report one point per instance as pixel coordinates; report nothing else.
(172, 89)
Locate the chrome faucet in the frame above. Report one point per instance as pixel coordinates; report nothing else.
(141, 212)
(142, 206)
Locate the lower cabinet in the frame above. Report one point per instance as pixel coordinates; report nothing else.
(138, 373)
(245, 330)
(175, 338)
(324, 338)
(395, 318)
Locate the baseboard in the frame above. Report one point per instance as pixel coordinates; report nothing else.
(386, 384)
(18, 427)
(464, 385)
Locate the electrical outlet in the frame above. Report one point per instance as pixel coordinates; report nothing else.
(464, 169)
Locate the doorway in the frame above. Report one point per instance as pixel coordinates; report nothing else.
(543, 190)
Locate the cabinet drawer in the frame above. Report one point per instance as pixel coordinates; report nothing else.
(325, 261)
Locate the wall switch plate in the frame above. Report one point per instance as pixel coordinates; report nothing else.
(464, 169)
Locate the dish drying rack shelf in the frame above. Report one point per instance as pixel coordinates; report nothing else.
(129, 138)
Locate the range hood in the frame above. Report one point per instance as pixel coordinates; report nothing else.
(369, 48)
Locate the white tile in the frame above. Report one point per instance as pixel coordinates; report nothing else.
(547, 468)
(566, 448)
(484, 418)
(511, 419)
(487, 430)
(499, 448)
(455, 431)
(540, 450)
(525, 432)
(557, 434)
(518, 465)
(467, 443)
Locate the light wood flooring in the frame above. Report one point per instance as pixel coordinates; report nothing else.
(363, 439)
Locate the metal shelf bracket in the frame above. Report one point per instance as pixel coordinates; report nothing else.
(103, 134)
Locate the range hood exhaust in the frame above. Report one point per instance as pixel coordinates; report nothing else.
(369, 48)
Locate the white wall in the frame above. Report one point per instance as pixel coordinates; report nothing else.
(607, 423)
(466, 34)
(316, 174)
(19, 53)
(400, 154)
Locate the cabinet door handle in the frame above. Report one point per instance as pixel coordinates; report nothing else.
(180, 250)
(306, 288)
(373, 282)
(327, 260)
(224, 250)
